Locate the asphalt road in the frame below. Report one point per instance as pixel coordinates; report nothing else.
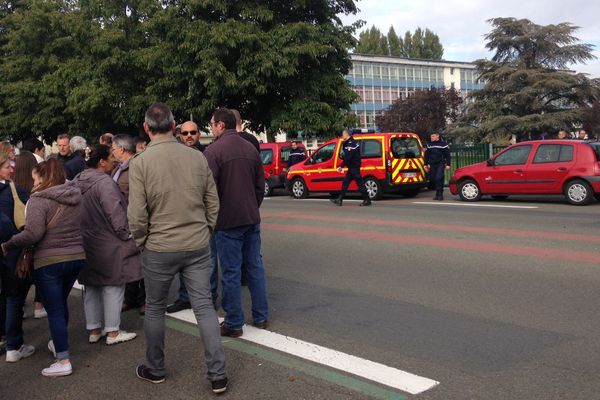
(492, 302)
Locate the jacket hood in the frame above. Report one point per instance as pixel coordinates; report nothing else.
(64, 194)
(88, 178)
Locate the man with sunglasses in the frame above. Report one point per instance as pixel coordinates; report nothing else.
(190, 136)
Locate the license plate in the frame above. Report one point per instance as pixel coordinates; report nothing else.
(410, 175)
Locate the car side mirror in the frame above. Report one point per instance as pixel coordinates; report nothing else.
(491, 162)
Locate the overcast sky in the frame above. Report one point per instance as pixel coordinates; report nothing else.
(461, 24)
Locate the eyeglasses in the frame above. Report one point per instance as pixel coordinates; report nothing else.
(187, 133)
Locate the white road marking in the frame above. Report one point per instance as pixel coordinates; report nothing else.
(438, 203)
(309, 199)
(370, 370)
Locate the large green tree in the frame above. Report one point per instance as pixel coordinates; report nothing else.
(420, 44)
(423, 112)
(90, 66)
(529, 88)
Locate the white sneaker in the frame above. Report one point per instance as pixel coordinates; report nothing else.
(15, 355)
(95, 337)
(51, 348)
(41, 313)
(58, 369)
(121, 337)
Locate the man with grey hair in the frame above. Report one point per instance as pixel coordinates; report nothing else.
(74, 161)
(123, 149)
(173, 209)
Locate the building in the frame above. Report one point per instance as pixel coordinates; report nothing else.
(380, 80)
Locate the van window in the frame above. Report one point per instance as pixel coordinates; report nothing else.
(514, 156)
(323, 154)
(266, 156)
(285, 154)
(370, 148)
(405, 147)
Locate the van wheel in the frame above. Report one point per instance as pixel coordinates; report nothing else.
(268, 190)
(373, 187)
(468, 190)
(578, 192)
(299, 190)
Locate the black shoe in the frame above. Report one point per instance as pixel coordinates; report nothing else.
(225, 331)
(365, 203)
(261, 325)
(178, 306)
(337, 201)
(440, 198)
(219, 386)
(436, 198)
(144, 373)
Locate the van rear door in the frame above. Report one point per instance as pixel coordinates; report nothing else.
(406, 163)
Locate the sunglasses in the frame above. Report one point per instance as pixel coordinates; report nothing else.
(187, 133)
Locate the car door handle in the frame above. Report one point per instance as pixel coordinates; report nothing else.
(518, 171)
(562, 169)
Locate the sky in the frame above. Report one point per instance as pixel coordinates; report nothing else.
(462, 24)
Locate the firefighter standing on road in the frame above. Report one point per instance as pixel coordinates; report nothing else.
(437, 159)
(352, 161)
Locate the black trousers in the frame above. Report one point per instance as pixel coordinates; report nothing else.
(436, 174)
(354, 175)
(135, 294)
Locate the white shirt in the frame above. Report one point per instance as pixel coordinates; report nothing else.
(38, 158)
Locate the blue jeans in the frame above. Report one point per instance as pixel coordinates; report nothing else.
(55, 282)
(14, 314)
(214, 276)
(235, 247)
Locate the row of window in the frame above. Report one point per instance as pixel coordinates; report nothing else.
(382, 94)
(468, 75)
(546, 153)
(395, 71)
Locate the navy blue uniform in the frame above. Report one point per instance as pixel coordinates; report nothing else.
(352, 161)
(437, 156)
(296, 155)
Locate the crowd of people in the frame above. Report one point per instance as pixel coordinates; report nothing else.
(124, 217)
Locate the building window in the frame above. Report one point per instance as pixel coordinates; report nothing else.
(357, 70)
(377, 94)
(376, 72)
(401, 72)
(385, 72)
(368, 94)
(368, 71)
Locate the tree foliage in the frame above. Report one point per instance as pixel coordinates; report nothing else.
(92, 66)
(420, 44)
(424, 112)
(528, 89)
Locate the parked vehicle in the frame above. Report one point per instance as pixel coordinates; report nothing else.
(275, 157)
(568, 167)
(391, 163)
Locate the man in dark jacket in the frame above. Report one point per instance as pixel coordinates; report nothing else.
(352, 161)
(297, 154)
(437, 159)
(238, 173)
(69, 153)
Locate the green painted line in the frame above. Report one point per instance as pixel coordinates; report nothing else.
(308, 368)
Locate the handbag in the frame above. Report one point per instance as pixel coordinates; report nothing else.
(25, 261)
(18, 209)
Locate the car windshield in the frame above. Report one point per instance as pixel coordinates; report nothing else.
(405, 147)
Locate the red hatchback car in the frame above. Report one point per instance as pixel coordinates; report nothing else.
(568, 167)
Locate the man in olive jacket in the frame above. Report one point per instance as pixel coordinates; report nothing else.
(173, 208)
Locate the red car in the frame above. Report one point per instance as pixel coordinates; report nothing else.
(274, 158)
(568, 167)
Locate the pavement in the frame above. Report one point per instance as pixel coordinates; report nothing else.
(493, 300)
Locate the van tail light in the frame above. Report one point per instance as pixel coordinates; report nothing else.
(597, 168)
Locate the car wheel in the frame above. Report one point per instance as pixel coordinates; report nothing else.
(499, 197)
(373, 188)
(299, 190)
(578, 192)
(268, 190)
(468, 190)
(410, 193)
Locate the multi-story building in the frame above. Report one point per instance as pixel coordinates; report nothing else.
(380, 80)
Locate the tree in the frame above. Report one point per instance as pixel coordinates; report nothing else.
(424, 112)
(91, 66)
(421, 44)
(528, 89)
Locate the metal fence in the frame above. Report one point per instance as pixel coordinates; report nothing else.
(463, 155)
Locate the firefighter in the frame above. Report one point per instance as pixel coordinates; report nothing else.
(437, 159)
(296, 155)
(352, 161)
